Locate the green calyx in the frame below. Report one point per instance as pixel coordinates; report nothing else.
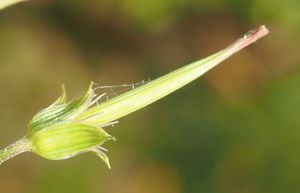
(55, 134)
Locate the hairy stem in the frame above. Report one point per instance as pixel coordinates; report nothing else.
(14, 149)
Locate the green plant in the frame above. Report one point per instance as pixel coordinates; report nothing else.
(66, 129)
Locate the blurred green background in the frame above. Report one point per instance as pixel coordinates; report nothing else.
(235, 130)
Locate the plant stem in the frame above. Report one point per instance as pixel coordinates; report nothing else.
(138, 98)
(6, 3)
(14, 149)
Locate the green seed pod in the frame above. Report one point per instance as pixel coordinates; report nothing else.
(65, 129)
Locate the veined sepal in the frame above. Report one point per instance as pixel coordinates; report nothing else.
(61, 111)
(64, 141)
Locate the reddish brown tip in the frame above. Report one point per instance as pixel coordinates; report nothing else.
(249, 38)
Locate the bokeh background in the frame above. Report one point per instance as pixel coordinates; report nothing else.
(234, 130)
